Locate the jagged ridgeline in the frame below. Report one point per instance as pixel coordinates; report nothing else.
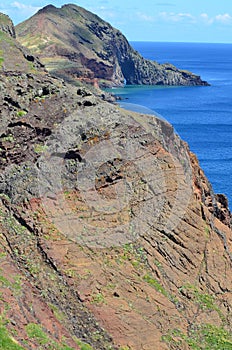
(13, 56)
(76, 44)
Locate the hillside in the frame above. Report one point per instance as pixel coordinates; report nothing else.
(76, 44)
(111, 235)
(13, 56)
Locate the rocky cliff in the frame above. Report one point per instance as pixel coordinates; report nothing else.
(6, 25)
(13, 56)
(111, 235)
(76, 44)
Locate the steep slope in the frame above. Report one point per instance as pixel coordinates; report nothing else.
(110, 233)
(76, 44)
(6, 25)
(13, 56)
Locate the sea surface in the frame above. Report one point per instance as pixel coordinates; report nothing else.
(202, 116)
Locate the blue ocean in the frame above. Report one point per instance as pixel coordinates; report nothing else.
(202, 116)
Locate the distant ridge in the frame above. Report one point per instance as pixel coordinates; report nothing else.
(74, 43)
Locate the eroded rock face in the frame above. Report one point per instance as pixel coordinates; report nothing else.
(6, 25)
(111, 234)
(76, 44)
(108, 220)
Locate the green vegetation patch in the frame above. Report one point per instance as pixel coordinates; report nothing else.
(58, 314)
(1, 61)
(133, 254)
(7, 342)
(154, 283)
(35, 331)
(83, 345)
(5, 38)
(12, 224)
(214, 338)
(204, 300)
(203, 337)
(21, 113)
(4, 19)
(8, 138)
(98, 298)
(40, 148)
(15, 286)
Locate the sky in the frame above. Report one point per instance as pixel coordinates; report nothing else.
(148, 20)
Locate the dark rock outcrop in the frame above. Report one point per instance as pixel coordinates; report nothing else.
(76, 44)
(6, 25)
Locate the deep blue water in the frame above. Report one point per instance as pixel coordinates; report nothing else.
(202, 116)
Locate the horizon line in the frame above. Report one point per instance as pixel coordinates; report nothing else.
(179, 42)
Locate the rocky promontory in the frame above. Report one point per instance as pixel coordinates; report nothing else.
(76, 44)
